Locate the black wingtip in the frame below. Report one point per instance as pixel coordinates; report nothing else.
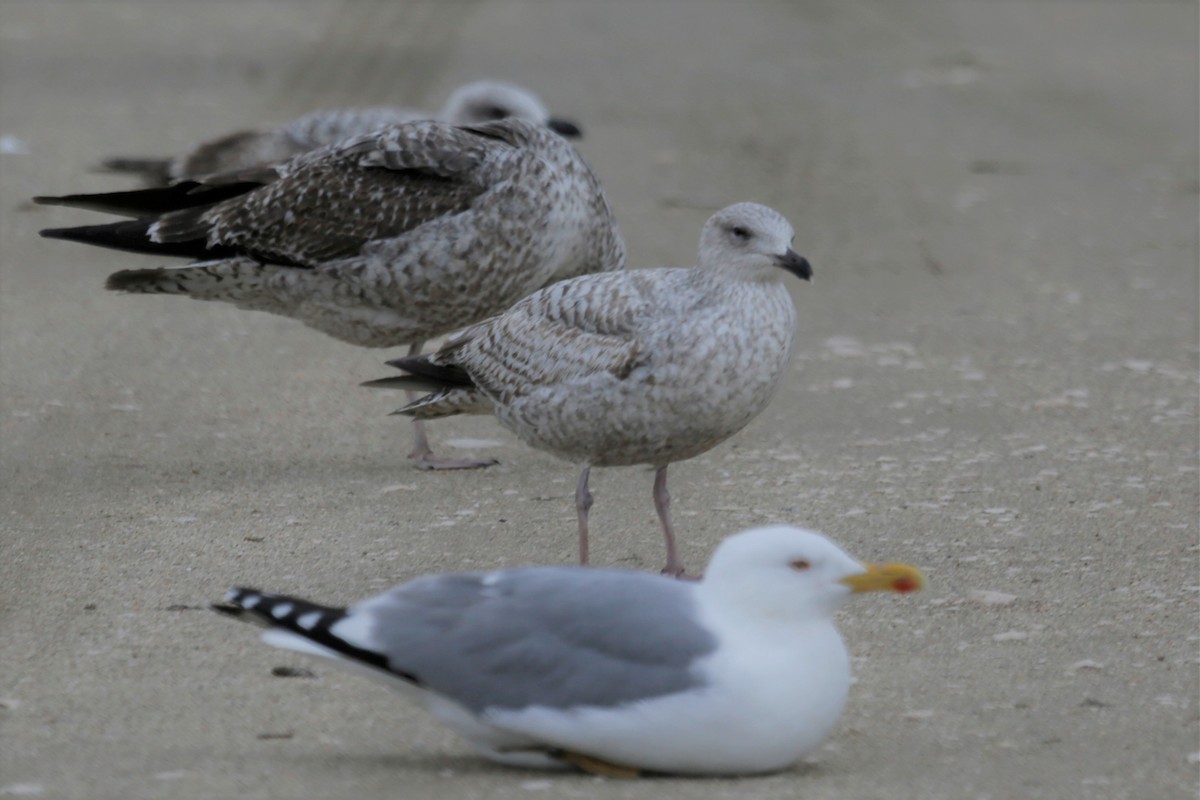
(303, 618)
(133, 236)
(399, 363)
(118, 235)
(57, 233)
(436, 375)
(228, 609)
(151, 202)
(231, 603)
(394, 382)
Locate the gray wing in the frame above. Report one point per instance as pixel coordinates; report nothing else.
(555, 637)
(334, 201)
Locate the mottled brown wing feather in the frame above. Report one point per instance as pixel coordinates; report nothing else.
(335, 204)
(567, 331)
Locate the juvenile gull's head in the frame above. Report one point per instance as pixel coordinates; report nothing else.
(487, 101)
(752, 240)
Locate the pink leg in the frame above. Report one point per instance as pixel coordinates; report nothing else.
(583, 504)
(662, 504)
(423, 454)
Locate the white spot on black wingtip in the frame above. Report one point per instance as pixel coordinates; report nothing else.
(249, 601)
(282, 610)
(230, 609)
(309, 621)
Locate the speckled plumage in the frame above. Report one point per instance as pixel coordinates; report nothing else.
(473, 103)
(390, 238)
(396, 237)
(632, 367)
(644, 367)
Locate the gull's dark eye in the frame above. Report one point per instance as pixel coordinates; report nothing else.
(493, 112)
(740, 232)
(801, 565)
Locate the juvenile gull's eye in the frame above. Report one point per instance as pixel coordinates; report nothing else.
(740, 232)
(801, 565)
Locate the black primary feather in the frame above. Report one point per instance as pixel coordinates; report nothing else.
(303, 618)
(440, 376)
(150, 202)
(132, 237)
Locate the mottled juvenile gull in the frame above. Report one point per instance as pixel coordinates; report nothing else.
(613, 671)
(642, 367)
(387, 239)
(473, 103)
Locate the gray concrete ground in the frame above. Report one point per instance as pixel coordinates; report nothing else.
(995, 379)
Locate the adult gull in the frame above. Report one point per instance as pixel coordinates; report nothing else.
(640, 367)
(612, 671)
(381, 240)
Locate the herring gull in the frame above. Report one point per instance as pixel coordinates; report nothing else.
(636, 367)
(472, 103)
(612, 671)
(381, 240)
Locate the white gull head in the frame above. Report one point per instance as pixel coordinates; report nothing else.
(795, 575)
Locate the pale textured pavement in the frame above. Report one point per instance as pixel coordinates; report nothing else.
(996, 380)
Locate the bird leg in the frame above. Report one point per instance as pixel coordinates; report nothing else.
(662, 504)
(422, 453)
(594, 766)
(583, 504)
